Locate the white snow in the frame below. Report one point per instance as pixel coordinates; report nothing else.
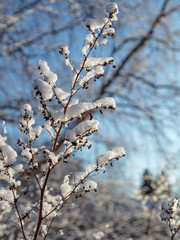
(51, 156)
(92, 62)
(27, 122)
(98, 235)
(101, 42)
(89, 41)
(74, 77)
(74, 139)
(90, 167)
(68, 63)
(18, 168)
(4, 130)
(112, 11)
(61, 95)
(43, 66)
(91, 74)
(27, 117)
(90, 185)
(6, 194)
(171, 212)
(93, 24)
(104, 158)
(78, 109)
(89, 38)
(50, 77)
(79, 177)
(8, 169)
(27, 110)
(48, 127)
(35, 132)
(44, 88)
(47, 207)
(109, 31)
(44, 229)
(63, 49)
(84, 50)
(107, 102)
(99, 71)
(82, 128)
(27, 153)
(7, 154)
(66, 188)
(2, 140)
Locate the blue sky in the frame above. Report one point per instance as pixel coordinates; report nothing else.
(141, 149)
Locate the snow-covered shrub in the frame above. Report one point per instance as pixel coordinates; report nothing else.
(171, 214)
(27, 199)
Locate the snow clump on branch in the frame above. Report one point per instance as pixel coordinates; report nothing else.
(112, 11)
(171, 214)
(106, 157)
(63, 49)
(50, 77)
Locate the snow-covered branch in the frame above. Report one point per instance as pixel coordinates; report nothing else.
(34, 164)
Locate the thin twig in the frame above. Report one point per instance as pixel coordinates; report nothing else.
(19, 216)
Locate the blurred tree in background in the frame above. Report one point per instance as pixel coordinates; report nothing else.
(148, 184)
